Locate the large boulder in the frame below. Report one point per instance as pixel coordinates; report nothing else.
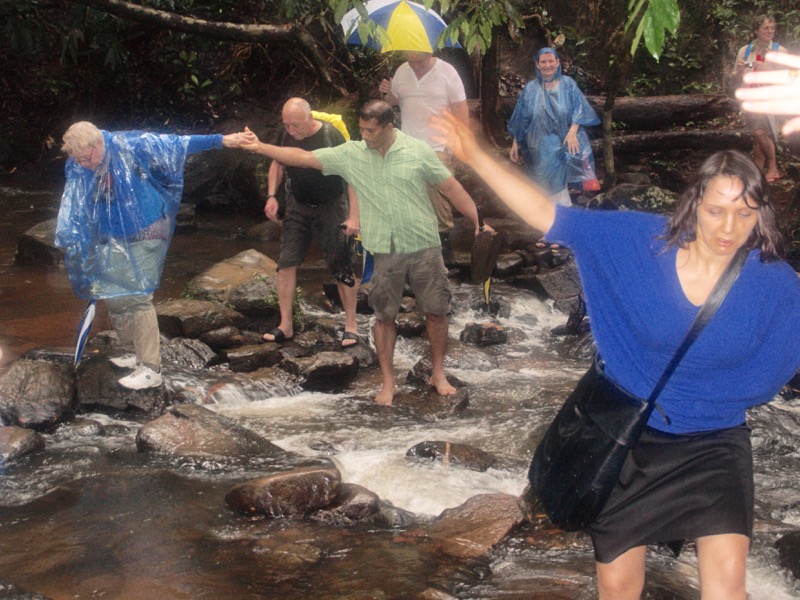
(37, 246)
(298, 492)
(192, 318)
(16, 442)
(246, 280)
(98, 389)
(191, 431)
(36, 394)
(472, 529)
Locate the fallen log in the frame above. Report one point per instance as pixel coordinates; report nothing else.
(692, 139)
(649, 113)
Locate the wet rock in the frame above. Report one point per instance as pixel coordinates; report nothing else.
(410, 324)
(508, 264)
(630, 196)
(36, 394)
(352, 503)
(460, 455)
(364, 353)
(256, 297)
(191, 431)
(268, 231)
(392, 517)
(472, 529)
(189, 353)
(430, 406)
(250, 358)
(98, 389)
(9, 591)
(223, 181)
(298, 492)
(638, 179)
(230, 337)
(59, 354)
(16, 442)
(185, 220)
(561, 285)
(192, 318)
(37, 246)
(324, 372)
(237, 278)
(789, 552)
(484, 334)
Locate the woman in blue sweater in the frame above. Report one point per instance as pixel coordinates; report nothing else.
(644, 277)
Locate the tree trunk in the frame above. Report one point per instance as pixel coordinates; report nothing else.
(492, 122)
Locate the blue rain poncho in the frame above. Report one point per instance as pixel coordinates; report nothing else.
(540, 122)
(116, 222)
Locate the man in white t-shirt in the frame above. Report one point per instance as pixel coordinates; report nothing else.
(424, 86)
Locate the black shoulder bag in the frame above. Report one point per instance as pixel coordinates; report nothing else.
(578, 462)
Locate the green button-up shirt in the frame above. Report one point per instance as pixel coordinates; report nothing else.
(394, 207)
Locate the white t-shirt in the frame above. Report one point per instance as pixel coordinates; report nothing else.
(420, 99)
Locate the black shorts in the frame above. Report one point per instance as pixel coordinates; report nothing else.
(304, 222)
(678, 487)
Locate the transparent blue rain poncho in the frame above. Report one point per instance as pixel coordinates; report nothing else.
(540, 122)
(116, 222)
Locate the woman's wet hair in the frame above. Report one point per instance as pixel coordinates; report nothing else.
(378, 110)
(766, 236)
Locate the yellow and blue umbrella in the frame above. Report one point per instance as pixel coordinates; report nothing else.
(408, 26)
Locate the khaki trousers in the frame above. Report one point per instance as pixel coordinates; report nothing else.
(136, 323)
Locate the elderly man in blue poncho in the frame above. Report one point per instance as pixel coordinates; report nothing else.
(117, 216)
(548, 130)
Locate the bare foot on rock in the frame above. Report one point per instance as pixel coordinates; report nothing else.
(443, 387)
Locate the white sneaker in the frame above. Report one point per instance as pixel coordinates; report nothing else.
(142, 378)
(126, 361)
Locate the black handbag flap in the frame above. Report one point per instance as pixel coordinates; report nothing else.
(617, 413)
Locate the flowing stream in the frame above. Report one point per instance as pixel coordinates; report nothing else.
(89, 517)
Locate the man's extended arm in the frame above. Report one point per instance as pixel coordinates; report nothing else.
(294, 157)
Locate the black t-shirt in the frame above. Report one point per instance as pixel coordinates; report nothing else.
(310, 186)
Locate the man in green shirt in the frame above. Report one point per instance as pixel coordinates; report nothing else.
(390, 172)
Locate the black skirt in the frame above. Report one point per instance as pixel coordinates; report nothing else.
(678, 487)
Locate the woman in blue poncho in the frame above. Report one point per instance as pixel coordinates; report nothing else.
(547, 127)
(117, 216)
(645, 277)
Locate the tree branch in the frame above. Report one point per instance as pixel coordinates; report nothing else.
(237, 32)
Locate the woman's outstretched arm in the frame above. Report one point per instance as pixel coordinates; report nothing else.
(516, 190)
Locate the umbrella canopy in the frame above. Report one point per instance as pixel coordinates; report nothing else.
(408, 26)
(83, 331)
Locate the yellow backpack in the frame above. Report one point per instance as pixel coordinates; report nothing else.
(335, 120)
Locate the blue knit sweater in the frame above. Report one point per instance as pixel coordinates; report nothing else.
(639, 316)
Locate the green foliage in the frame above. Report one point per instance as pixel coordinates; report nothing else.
(659, 17)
